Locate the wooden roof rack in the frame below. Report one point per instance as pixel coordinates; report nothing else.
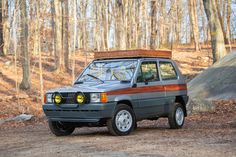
(136, 53)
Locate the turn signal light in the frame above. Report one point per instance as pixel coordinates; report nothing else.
(45, 99)
(103, 97)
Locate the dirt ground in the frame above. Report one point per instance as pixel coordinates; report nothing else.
(205, 134)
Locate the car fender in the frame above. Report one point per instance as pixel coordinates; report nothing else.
(122, 97)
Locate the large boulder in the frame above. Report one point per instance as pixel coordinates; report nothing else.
(216, 82)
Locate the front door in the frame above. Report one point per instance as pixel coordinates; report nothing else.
(152, 97)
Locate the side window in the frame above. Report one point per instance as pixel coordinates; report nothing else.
(167, 71)
(148, 72)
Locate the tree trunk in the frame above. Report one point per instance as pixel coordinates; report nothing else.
(217, 37)
(66, 34)
(221, 17)
(120, 25)
(53, 29)
(5, 24)
(227, 39)
(162, 26)
(1, 29)
(153, 25)
(179, 14)
(38, 40)
(204, 27)
(194, 23)
(25, 83)
(58, 35)
(74, 42)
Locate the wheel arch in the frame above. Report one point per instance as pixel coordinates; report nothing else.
(127, 102)
(182, 100)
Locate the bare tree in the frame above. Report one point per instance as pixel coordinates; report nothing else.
(59, 63)
(66, 34)
(121, 24)
(194, 22)
(153, 25)
(5, 26)
(1, 29)
(25, 83)
(39, 49)
(227, 39)
(217, 37)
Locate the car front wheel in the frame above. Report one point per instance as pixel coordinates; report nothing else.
(60, 128)
(123, 121)
(176, 117)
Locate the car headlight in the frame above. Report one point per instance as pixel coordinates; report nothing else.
(95, 97)
(48, 98)
(98, 97)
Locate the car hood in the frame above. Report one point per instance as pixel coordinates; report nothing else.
(92, 87)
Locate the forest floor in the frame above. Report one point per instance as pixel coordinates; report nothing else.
(204, 134)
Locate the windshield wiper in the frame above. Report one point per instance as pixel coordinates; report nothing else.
(95, 78)
(78, 82)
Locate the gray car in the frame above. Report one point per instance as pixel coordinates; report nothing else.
(117, 93)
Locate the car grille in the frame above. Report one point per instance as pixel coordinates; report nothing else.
(70, 98)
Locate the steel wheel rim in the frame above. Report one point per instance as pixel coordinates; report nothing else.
(179, 116)
(123, 120)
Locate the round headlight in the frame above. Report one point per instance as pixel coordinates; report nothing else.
(80, 99)
(57, 98)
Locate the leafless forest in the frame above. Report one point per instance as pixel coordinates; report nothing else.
(61, 28)
(45, 44)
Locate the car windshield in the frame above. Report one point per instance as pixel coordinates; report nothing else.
(109, 71)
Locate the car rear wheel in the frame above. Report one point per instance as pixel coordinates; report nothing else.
(176, 117)
(60, 128)
(123, 121)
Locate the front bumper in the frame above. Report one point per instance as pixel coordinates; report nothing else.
(87, 113)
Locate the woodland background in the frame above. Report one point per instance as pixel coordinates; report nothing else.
(45, 44)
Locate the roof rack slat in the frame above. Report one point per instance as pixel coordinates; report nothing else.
(136, 53)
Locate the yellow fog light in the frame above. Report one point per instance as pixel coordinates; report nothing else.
(80, 99)
(57, 98)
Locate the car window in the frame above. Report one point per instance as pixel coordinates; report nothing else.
(148, 72)
(167, 71)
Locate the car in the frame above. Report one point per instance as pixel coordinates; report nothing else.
(118, 89)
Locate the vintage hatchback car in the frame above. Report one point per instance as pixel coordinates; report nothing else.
(118, 89)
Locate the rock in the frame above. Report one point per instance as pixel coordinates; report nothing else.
(21, 117)
(198, 105)
(217, 82)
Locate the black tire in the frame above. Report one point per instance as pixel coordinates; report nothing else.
(172, 118)
(111, 123)
(60, 128)
(135, 126)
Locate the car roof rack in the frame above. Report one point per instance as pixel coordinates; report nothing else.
(134, 53)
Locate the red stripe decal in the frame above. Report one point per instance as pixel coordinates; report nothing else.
(149, 89)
